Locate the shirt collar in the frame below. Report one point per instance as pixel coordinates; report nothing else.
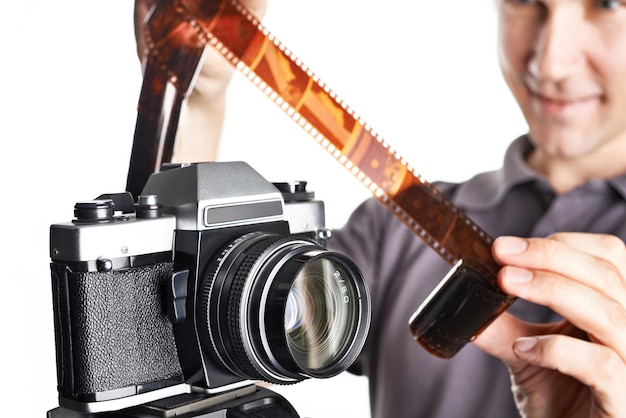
(487, 189)
(619, 184)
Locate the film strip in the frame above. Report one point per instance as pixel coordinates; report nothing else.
(466, 301)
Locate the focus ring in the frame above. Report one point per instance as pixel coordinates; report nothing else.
(233, 323)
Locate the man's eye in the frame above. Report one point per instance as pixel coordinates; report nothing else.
(608, 4)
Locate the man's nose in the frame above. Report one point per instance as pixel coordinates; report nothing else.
(558, 49)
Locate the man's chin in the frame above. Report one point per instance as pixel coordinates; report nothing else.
(563, 144)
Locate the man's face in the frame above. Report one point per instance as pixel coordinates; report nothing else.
(565, 62)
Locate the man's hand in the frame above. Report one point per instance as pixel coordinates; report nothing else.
(201, 119)
(577, 367)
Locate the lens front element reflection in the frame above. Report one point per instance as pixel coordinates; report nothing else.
(321, 314)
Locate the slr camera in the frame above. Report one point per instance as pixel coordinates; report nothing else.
(212, 280)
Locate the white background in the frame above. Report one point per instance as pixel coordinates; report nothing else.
(423, 74)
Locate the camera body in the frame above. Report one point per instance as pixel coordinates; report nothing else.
(213, 279)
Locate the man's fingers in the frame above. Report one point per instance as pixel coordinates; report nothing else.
(497, 339)
(598, 261)
(579, 276)
(601, 315)
(594, 365)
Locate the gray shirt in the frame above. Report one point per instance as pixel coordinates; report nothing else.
(407, 381)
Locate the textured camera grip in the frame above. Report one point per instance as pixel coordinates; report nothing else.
(119, 333)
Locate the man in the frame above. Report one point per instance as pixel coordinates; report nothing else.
(563, 186)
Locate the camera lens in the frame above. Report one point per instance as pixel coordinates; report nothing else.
(283, 308)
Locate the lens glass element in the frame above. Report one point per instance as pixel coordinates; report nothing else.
(321, 314)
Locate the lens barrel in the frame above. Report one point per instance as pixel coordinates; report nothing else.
(282, 308)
